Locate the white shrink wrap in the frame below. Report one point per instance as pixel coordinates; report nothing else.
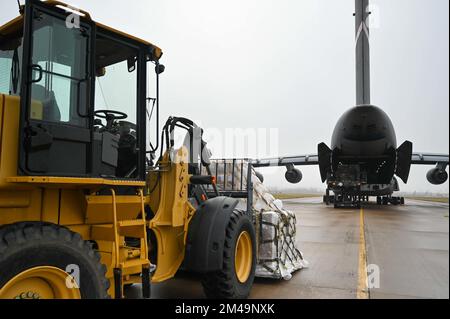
(276, 230)
(278, 255)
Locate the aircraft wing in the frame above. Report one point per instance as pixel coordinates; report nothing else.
(436, 176)
(289, 160)
(313, 159)
(429, 159)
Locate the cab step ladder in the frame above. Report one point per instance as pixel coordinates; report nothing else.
(114, 228)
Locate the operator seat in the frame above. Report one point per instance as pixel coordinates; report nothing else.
(51, 110)
(128, 154)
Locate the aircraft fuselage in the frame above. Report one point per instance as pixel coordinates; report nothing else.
(363, 155)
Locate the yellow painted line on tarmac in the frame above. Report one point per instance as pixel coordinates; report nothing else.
(362, 292)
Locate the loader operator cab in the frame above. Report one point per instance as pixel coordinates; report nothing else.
(83, 93)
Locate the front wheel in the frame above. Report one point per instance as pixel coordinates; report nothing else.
(235, 279)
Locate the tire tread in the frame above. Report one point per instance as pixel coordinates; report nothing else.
(16, 235)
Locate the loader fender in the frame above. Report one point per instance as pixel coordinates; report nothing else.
(206, 235)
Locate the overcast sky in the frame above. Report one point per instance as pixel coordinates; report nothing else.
(289, 65)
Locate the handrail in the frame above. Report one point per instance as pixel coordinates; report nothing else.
(144, 220)
(116, 230)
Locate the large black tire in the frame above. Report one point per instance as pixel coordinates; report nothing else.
(224, 284)
(28, 245)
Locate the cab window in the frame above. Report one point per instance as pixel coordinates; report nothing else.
(10, 64)
(59, 63)
(116, 80)
(116, 100)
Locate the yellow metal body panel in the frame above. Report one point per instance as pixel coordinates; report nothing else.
(99, 208)
(50, 206)
(9, 138)
(72, 182)
(12, 28)
(173, 212)
(17, 203)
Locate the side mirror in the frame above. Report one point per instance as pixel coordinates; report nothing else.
(160, 68)
(131, 64)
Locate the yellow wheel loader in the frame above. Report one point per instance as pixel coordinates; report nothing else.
(84, 208)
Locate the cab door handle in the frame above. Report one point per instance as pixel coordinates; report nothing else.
(37, 68)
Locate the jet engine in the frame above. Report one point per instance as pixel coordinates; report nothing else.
(293, 175)
(437, 176)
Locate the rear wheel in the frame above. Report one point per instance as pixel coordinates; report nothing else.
(46, 261)
(235, 279)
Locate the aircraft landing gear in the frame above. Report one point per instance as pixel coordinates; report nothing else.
(347, 201)
(379, 200)
(393, 200)
(327, 198)
(364, 198)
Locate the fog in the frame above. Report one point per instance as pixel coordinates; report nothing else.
(284, 70)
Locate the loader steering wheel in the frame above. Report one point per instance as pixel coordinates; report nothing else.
(110, 116)
(107, 114)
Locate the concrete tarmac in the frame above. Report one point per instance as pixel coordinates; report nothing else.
(405, 250)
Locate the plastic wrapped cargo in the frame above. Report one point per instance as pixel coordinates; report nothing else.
(278, 255)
